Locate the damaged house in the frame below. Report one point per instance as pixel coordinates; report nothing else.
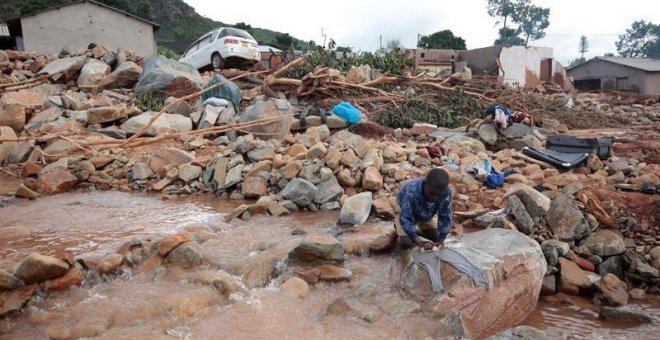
(511, 65)
(639, 75)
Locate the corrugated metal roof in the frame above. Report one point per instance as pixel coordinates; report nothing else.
(266, 48)
(648, 65)
(4, 30)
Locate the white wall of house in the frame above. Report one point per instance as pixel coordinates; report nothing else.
(517, 60)
(76, 26)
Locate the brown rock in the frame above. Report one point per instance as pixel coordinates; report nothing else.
(30, 169)
(423, 129)
(295, 150)
(400, 175)
(106, 114)
(611, 291)
(349, 159)
(26, 98)
(6, 133)
(310, 276)
(571, 277)
(38, 268)
(332, 158)
(13, 116)
(295, 286)
(126, 75)
(170, 242)
(110, 263)
(382, 207)
(330, 272)
(291, 169)
(56, 181)
(73, 277)
(15, 299)
(317, 151)
(254, 187)
(236, 212)
(372, 180)
(162, 157)
(369, 238)
(101, 161)
(261, 166)
(25, 192)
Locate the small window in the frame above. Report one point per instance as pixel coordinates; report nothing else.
(205, 41)
(423, 55)
(222, 34)
(194, 47)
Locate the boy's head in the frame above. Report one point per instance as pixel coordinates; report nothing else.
(436, 182)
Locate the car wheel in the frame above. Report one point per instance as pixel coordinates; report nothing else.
(216, 61)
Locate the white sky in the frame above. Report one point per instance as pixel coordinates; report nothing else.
(359, 23)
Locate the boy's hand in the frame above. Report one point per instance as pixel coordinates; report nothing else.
(424, 244)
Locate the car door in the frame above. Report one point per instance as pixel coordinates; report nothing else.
(203, 55)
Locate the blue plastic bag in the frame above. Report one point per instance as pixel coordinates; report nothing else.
(495, 179)
(348, 112)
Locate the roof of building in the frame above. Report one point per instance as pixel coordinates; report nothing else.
(4, 30)
(644, 64)
(266, 48)
(155, 25)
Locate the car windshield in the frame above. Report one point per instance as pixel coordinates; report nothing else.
(238, 33)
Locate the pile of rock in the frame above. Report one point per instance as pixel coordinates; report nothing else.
(626, 114)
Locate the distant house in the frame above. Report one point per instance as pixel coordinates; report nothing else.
(511, 65)
(77, 24)
(627, 74)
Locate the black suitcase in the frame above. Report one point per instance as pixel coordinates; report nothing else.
(601, 146)
(566, 160)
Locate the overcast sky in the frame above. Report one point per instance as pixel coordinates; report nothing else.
(359, 23)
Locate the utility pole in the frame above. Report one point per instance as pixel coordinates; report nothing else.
(381, 43)
(324, 36)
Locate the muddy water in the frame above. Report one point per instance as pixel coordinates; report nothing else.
(163, 303)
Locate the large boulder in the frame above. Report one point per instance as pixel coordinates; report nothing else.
(93, 71)
(566, 220)
(229, 90)
(272, 108)
(356, 209)
(168, 77)
(536, 203)
(488, 134)
(56, 181)
(514, 273)
(604, 242)
(165, 123)
(126, 75)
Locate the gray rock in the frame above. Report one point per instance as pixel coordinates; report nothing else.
(261, 152)
(356, 209)
(93, 71)
(63, 65)
(613, 265)
(209, 117)
(188, 254)
(488, 134)
(134, 124)
(189, 172)
(521, 333)
(169, 77)
(227, 116)
(234, 176)
(318, 249)
(289, 205)
(551, 255)
(300, 191)
(20, 152)
(462, 141)
(523, 220)
(561, 247)
(9, 281)
(112, 132)
(517, 131)
(328, 191)
(624, 314)
(38, 268)
(566, 219)
(141, 171)
(124, 76)
(604, 242)
(311, 171)
(273, 108)
(536, 203)
(330, 206)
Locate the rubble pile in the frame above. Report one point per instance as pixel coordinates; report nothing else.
(75, 123)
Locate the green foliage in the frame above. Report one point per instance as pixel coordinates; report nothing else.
(167, 53)
(641, 40)
(30, 6)
(531, 20)
(442, 40)
(394, 61)
(577, 62)
(148, 101)
(459, 109)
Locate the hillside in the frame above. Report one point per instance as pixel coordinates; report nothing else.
(178, 21)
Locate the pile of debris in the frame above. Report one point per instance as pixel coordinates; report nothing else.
(78, 133)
